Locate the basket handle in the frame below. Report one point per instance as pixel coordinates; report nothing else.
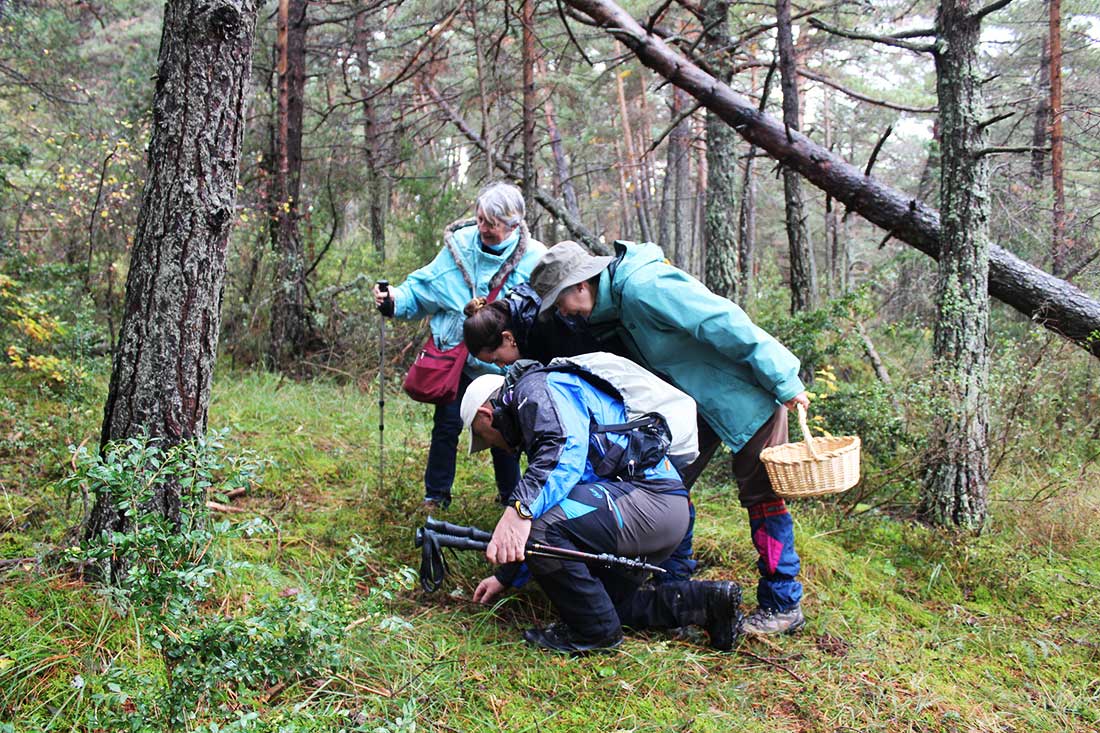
(806, 436)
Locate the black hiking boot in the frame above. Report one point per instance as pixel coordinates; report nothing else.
(722, 603)
(560, 638)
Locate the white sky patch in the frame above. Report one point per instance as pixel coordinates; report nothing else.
(998, 39)
(1092, 26)
(463, 163)
(913, 127)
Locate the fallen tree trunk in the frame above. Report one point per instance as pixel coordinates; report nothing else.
(1045, 299)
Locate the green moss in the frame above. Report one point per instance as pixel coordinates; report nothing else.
(909, 628)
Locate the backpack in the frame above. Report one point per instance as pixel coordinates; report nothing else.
(660, 418)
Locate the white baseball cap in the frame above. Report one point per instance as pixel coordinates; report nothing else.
(480, 391)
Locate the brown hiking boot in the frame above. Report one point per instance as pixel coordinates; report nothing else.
(763, 622)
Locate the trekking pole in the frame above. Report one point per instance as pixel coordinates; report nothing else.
(384, 286)
(435, 535)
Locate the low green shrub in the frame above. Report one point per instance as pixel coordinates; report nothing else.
(223, 653)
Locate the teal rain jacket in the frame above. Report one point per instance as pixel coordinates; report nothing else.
(703, 343)
(439, 291)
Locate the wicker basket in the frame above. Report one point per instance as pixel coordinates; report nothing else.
(814, 467)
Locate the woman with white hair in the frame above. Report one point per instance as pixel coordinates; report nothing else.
(491, 254)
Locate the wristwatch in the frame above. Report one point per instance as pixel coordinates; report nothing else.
(522, 510)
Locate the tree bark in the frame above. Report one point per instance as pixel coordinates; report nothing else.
(872, 353)
(746, 220)
(483, 97)
(529, 181)
(931, 168)
(1041, 128)
(624, 205)
(291, 327)
(1054, 303)
(1059, 246)
(697, 262)
(161, 376)
(836, 247)
(375, 139)
(957, 473)
(562, 176)
(676, 198)
(632, 178)
(803, 271)
(746, 231)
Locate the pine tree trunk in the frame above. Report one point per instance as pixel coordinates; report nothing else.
(624, 206)
(957, 475)
(1059, 245)
(1041, 128)
(746, 217)
(746, 231)
(530, 184)
(631, 175)
(931, 168)
(291, 328)
(675, 226)
(161, 376)
(562, 179)
(375, 137)
(697, 263)
(803, 271)
(835, 249)
(483, 97)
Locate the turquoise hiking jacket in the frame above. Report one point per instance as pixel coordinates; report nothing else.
(701, 342)
(439, 291)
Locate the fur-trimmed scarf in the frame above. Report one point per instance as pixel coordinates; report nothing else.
(505, 269)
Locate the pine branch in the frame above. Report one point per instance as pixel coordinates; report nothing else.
(992, 7)
(884, 40)
(995, 150)
(863, 97)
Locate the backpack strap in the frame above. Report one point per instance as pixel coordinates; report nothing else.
(650, 418)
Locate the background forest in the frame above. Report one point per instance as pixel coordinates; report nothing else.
(284, 600)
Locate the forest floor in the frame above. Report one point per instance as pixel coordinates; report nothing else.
(909, 629)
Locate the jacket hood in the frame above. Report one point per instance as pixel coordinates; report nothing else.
(632, 256)
(629, 258)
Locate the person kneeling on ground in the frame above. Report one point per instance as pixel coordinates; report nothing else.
(741, 378)
(561, 501)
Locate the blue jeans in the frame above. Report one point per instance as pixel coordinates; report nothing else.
(439, 475)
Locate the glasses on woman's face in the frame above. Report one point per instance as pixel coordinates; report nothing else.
(492, 230)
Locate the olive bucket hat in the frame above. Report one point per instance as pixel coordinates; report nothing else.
(566, 263)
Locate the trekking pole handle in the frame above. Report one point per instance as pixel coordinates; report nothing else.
(456, 530)
(427, 535)
(471, 538)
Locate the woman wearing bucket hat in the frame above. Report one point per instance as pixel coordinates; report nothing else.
(742, 379)
(494, 252)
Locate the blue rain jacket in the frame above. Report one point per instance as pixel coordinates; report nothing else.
(703, 343)
(439, 291)
(553, 412)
